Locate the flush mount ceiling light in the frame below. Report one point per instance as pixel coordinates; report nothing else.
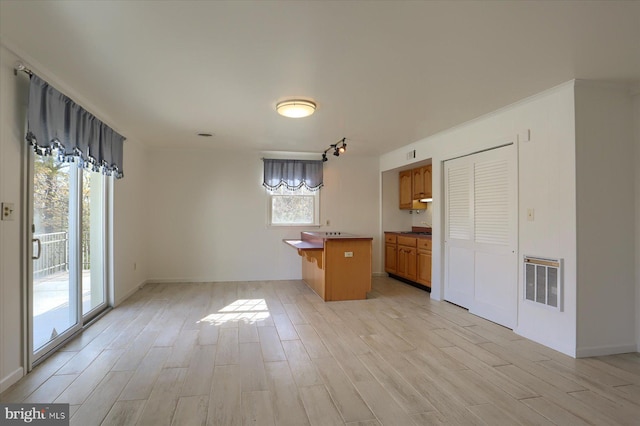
(296, 108)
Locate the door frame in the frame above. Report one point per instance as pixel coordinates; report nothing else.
(31, 359)
(75, 212)
(507, 142)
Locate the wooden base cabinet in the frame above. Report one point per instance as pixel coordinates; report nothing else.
(424, 262)
(407, 263)
(407, 266)
(408, 258)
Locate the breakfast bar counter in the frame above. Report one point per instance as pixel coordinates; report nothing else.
(336, 265)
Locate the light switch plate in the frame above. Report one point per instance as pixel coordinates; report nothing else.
(8, 210)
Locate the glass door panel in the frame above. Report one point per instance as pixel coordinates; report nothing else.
(93, 271)
(54, 270)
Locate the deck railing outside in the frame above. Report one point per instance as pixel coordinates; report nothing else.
(54, 254)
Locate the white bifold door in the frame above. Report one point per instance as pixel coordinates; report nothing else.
(481, 234)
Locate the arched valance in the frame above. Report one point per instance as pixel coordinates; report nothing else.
(56, 121)
(292, 174)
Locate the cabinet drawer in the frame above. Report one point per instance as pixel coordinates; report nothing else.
(424, 244)
(390, 238)
(406, 241)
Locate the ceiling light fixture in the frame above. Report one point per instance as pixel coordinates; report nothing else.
(338, 148)
(296, 108)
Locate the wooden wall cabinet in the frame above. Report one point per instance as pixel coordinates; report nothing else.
(427, 181)
(418, 183)
(406, 190)
(415, 184)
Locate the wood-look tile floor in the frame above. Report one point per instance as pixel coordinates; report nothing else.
(274, 353)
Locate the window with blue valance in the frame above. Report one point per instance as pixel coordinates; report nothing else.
(57, 122)
(292, 174)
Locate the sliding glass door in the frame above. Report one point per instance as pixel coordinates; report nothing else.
(92, 243)
(67, 285)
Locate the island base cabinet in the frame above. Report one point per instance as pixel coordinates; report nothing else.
(313, 271)
(336, 267)
(348, 269)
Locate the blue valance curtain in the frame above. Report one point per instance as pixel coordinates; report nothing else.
(292, 174)
(55, 121)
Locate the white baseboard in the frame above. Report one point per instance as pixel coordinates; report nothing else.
(130, 293)
(12, 378)
(209, 280)
(542, 338)
(605, 350)
(379, 274)
(181, 280)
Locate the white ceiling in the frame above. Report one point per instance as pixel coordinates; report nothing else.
(384, 74)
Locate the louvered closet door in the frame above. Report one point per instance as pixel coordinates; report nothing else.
(458, 245)
(485, 259)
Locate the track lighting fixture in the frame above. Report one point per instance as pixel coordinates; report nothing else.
(338, 148)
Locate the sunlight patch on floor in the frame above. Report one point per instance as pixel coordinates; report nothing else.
(247, 310)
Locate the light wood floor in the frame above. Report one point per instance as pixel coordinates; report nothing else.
(275, 353)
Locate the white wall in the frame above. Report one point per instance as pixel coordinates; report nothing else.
(14, 90)
(207, 215)
(546, 183)
(130, 237)
(605, 216)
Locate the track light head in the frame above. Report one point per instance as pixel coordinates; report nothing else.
(338, 148)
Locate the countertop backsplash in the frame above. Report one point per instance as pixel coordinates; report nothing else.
(422, 218)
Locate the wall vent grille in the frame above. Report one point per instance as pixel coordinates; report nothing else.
(543, 281)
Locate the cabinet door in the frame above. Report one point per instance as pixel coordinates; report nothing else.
(412, 264)
(406, 190)
(424, 268)
(418, 183)
(390, 258)
(427, 182)
(407, 263)
(401, 268)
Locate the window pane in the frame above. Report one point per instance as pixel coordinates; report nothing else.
(292, 209)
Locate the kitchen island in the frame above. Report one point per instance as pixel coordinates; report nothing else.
(336, 265)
